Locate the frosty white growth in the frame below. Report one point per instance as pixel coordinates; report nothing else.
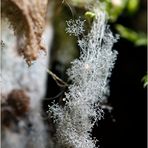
(89, 75)
(75, 27)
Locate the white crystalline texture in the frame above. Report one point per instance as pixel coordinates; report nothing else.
(89, 76)
(75, 27)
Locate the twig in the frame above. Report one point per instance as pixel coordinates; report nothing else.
(58, 80)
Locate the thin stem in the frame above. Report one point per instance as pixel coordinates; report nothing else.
(58, 80)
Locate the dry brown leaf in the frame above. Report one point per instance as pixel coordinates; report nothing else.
(27, 18)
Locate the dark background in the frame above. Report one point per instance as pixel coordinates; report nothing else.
(126, 125)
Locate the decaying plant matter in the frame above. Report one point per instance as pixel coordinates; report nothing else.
(27, 18)
(23, 22)
(16, 106)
